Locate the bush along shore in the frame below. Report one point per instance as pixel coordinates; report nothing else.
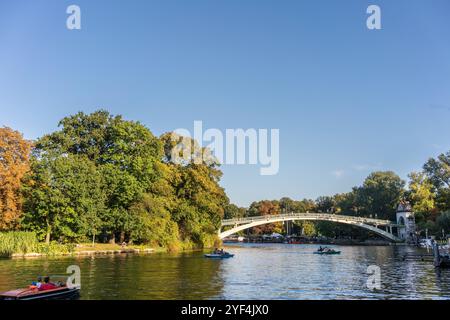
(25, 244)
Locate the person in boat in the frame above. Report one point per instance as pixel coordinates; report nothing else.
(37, 284)
(320, 249)
(47, 285)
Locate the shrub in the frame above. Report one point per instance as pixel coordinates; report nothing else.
(17, 242)
(54, 248)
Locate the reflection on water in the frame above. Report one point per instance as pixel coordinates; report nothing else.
(258, 271)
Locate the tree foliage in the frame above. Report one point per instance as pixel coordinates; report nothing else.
(14, 164)
(438, 172)
(101, 175)
(65, 199)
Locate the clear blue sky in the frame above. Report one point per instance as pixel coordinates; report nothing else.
(347, 100)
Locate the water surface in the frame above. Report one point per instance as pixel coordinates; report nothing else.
(258, 271)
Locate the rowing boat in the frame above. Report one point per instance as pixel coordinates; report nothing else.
(327, 252)
(219, 256)
(33, 293)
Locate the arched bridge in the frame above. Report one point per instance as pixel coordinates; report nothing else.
(374, 225)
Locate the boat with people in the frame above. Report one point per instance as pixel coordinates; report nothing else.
(42, 290)
(219, 254)
(326, 250)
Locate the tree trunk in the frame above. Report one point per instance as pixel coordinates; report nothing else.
(122, 237)
(49, 231)
(112, 240)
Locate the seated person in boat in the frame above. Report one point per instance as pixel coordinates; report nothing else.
(37, 284)
(47, 285)
(218, 251)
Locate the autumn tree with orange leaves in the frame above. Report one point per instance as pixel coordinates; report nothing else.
(14, 164)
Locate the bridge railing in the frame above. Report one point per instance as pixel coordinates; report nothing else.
(312, 216)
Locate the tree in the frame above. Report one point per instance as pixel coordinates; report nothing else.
(232, 211)
(287, 205)
(345, 203)
(198, 201)
(64, 198)
(325, 204)
(152, 222)
(263, 208)
(125, 153)
(438, 172)
(379, 195)
(305, 205)
(443, 222)
(308, 228)
(14, 164)
(421, 193)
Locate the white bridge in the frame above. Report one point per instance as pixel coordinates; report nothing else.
(374, 225)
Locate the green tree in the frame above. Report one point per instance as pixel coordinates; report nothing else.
(198, 199)
(421, 193)
(345, 203)
(125, 153)
(443, 222)
(152, 222)
(287, 205)
(379, 195)
(307, 228)
(305, 205)
(325, 204)
(64, 198)
(438, 172)
(232, 211)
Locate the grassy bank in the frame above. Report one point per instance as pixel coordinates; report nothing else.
(99, 247)
(24, 243)
(20, 243)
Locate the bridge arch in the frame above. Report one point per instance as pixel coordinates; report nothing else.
(365, 223)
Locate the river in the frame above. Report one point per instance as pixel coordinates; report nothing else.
(258, 271)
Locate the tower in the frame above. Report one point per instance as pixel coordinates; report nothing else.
(405, 217)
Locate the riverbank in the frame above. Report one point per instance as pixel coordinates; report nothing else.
(25, 244)
(89, 249)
